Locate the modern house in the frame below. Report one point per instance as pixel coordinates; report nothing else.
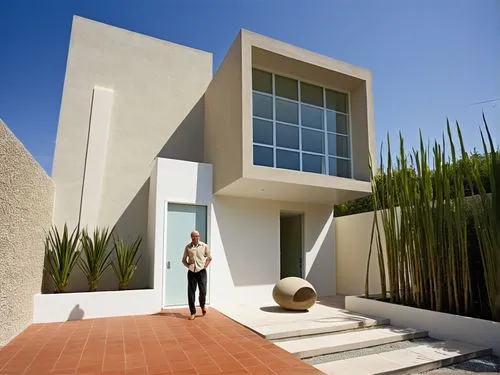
(254, 157)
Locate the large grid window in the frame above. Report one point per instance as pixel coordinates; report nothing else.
(300, 126)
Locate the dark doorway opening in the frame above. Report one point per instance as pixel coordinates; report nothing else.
(291, 244)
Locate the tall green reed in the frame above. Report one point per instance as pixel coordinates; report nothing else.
(419, 199)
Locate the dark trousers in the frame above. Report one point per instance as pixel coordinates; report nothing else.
(194, 279)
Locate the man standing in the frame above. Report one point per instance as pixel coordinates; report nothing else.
(196, 258)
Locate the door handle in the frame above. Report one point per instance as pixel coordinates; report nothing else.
(168, 265)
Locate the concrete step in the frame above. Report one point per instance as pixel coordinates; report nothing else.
(410, 360)
(318, 326)
(339, 342)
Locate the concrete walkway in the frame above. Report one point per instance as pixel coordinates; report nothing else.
(272, 322)
(337, 341)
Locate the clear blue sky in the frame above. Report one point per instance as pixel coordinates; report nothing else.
(430, 59)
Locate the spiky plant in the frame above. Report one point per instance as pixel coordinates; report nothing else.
(487, 217)
(420, 200)
(62, 253)
(126, 261)
(97, 255)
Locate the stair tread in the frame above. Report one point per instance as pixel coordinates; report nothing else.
(331, 324)
(408, 358)
(335, 342)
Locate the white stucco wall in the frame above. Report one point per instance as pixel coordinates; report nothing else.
(61, 307)
(149, 103)
(26, 202)
(175, 181)
(246, 247)
(243, 235)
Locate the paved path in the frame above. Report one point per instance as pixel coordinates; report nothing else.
(159, 344)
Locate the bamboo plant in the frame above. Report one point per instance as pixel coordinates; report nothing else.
(487, 216)
(419, 199)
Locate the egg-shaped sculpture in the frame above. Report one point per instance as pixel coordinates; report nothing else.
(294, 293)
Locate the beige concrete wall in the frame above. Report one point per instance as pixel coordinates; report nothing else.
(26, 202)
(363, 132)
(155, 108)
(352, 245)
(229, 121)
(223, 119)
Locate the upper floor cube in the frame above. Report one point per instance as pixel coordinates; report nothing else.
(285, 123)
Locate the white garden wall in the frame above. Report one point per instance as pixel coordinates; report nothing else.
(76, 306)
(439, 325)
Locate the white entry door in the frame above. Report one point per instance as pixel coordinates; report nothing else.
(182, 219)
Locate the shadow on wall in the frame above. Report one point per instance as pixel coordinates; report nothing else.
(132, 223)
(322, 244)
(77, 313)
(47, 283)
(186, 143)
(248, 234)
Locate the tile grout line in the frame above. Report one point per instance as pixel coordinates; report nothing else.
(84, 346)
(62, 350)
(19, 350)
(162, 349)
(140, 343)
(105, 347)
(123, 345)
(35, 356)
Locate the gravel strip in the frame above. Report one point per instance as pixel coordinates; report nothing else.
(368, 351)
(483, 365)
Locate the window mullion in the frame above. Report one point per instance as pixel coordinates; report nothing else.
(325, 127)
(300, 125)
(274, 121)
(349, 132)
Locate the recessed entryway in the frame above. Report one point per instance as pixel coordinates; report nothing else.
(291, 244)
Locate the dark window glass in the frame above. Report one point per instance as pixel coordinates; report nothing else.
(263, 156)
(287, 159)
(286, 87)
(262, 81)
(262, 131)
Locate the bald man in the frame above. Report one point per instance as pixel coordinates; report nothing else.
(196, 258)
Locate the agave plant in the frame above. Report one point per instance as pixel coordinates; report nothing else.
(62, 254)
(97, 256)
(126, 261)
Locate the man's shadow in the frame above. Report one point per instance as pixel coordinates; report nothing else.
(77, 313)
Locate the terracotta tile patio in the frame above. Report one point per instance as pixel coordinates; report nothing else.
(165, 343)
